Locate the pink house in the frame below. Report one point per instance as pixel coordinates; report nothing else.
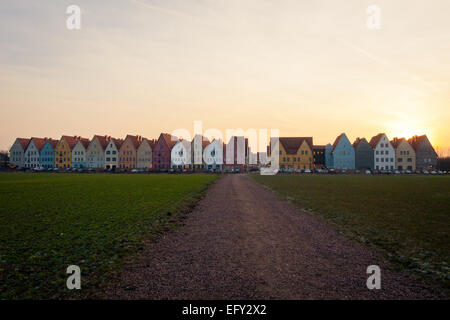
(162, 151)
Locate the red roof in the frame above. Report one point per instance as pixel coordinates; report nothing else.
(72, 141)
(85, 142)
(374, 141)
(205, 141)
(396, 142)
(24, 142)
(292, 144)
(103, 140)
(53, 142)
(136, 140)
(39, 143)
(169, 139)
(416, 141)
(117, 142)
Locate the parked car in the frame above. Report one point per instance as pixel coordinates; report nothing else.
(425, 172)
(307, 171)
(368, 172)
(396, 172)
(136, 170)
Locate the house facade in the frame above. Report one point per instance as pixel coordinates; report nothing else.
(236, 154)
(17, 152)
(319, 156)
(384, 153)
(63, 151)
(405, 156)
(32, 157)
(95, 153)
(163, 151)
(296, 153)
(213, 155)
(128, 152)
(144, 154)
(181, 156)
(79, 154)
(198, 145)
(363, 154)
(47, 154)
(426, 156)
(343, 153)
(112, 153)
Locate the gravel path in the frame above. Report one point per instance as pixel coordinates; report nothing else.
(243, 242)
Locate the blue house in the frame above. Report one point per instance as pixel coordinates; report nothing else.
(343, 153)
(47, 154)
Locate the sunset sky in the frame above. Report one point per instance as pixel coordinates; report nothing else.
(307, 68)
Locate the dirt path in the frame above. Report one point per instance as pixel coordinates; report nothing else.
(243, 242)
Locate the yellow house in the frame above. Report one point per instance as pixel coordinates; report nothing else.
(296, 153)
(63, 151)
(405, 156)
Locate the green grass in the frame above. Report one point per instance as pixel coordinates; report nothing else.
(406, 216)
(51, 221)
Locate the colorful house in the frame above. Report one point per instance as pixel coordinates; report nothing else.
(33, 153)
(95, 153)
(198, 144)
(128, 152)
(236, 154)
(144, 154)
(17, 152)
(363, 154)
(47, 154)
(343, 153)
(163, 151)
(296, 153)
(112, 153)
(79, 154)
(426, 156)
(213, 155)
(181, 156)
(405, 156)
(63, 151)
(384, 153)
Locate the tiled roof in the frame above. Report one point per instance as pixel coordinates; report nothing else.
(416, 141)
(136, 140)
(374, 141)
(358, 141)
(24, 142)
(169, 139)
(316, 146)
(53, 143)
(291, 144)
(396, 142)
(85, 142)
(205, 141)
(103, 140)
(39, 143)
(117, 142)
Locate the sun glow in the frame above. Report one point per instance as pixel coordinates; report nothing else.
(407, 130)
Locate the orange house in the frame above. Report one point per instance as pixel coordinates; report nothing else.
(63, 151)
(128, 152)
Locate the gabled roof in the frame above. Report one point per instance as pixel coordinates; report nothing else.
(39, 143)
(169, 139)
(358, 141)
(117, 142)
(416, 141)
(375, 139)
(103, 140)
(52, 143)
(135, 140)
(317, 146)
(292, 144)
(24, 142)
(72, 141)
(85, 142)
(205, 141)
(396, 142)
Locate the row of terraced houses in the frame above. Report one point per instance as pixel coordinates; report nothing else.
(169, 152)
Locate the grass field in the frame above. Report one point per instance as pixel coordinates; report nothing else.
(51, 221)
(406, 216)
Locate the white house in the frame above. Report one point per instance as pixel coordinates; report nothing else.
(95, 153)
(384, 152)
(32, 153)
(112, 153)
(180, 156)
(17, 152)
(213, 155)
(79, 153)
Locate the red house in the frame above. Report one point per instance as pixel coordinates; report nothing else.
(162, 150)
